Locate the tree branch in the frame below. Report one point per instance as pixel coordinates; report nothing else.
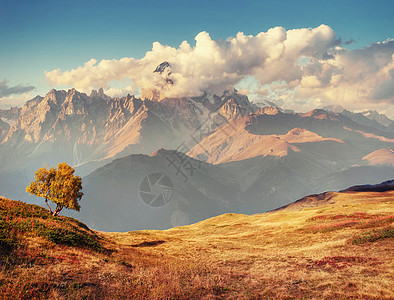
(46, 201)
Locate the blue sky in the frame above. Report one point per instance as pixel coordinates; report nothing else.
(38, 36)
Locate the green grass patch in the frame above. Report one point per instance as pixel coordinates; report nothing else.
(374, 235)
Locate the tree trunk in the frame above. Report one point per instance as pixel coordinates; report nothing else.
(59, 207)
(46, 201)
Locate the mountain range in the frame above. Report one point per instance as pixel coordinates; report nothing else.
(221, 153)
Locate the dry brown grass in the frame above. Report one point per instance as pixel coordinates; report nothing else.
(306, 254)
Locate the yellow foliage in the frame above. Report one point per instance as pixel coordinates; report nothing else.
(59, 185)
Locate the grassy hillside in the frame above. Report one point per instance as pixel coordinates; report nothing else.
(334, 248)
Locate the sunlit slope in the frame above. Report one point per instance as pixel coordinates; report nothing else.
(328, 246)
(335, 248)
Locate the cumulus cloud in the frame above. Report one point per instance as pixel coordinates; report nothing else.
(301, 67)
(209, 65)
(7, 91)
(357, 79)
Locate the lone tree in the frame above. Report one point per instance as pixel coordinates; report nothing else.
(59, 185)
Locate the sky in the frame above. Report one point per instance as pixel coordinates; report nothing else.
(298, 54)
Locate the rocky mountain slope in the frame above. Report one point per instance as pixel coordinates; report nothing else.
(72, 126)
(270, 132)
(369, 118)
(4, 128)
(383, 156)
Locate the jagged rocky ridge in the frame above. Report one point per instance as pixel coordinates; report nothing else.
(74, 127)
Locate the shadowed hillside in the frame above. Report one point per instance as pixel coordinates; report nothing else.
(112, 199)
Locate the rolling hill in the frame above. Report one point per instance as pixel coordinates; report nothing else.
(336, 245)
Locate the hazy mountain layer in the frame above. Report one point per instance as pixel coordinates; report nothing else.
(113, 200)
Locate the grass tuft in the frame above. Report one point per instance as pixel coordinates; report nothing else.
(374, 235)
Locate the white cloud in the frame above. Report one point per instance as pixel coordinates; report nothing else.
(310, 81)
(15, 100)
(243, 91)
(210, 65)
(308, 66)
(357, 79)
(120, 92)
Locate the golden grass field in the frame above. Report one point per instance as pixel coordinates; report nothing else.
(340, 250)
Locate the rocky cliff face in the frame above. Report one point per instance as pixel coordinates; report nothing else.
(10, 114)
(4, 128)
(380, 118)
